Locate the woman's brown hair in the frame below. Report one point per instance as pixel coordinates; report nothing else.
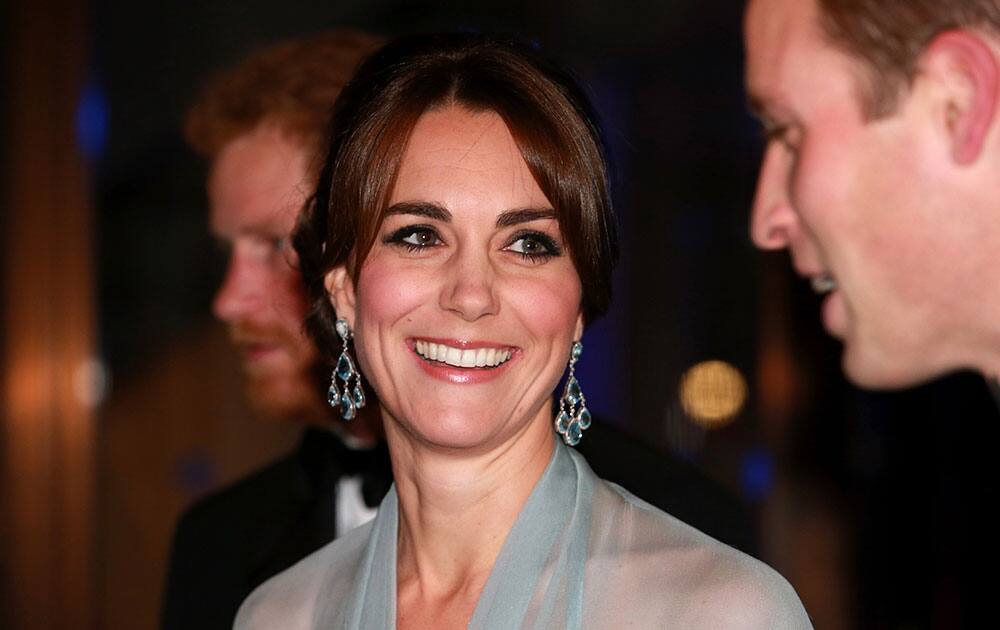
(547, 114)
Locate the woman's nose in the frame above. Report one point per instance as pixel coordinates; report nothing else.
(470, 289)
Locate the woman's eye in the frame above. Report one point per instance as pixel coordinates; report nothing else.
(534, 246)
(415, 238)
(422, 239)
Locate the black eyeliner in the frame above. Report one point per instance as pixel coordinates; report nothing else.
(552, 248)
(399, 236)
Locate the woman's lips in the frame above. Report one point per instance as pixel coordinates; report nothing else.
(465, 356)
(462, 362)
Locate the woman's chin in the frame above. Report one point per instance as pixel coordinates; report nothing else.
(457, 437)
(465, 429)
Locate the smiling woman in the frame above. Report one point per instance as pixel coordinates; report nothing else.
(462, 229)
(470, 256)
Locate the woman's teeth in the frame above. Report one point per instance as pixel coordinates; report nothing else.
(479, 357)
(823, 283)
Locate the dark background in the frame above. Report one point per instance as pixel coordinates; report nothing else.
(872, 504)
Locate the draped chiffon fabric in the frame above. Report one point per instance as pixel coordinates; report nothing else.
(583, 554)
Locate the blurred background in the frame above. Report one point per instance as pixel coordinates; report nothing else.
(122, 401)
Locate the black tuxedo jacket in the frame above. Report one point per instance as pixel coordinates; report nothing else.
(230, 542)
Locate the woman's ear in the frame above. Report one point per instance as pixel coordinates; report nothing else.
(965, 69)
(340, 286)
(578, 332)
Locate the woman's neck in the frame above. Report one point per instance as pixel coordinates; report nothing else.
(455, 509)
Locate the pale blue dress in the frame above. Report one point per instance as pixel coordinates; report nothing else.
(584, 554)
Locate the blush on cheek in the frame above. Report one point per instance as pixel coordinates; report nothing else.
(548, 308)
(386, 292)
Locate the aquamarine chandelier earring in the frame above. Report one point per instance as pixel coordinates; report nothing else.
(351, 398)
(573, 416)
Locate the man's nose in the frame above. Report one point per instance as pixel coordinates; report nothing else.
(773, 221)
(237, 293)
(470, 290)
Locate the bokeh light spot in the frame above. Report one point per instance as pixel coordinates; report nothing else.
(713, 393)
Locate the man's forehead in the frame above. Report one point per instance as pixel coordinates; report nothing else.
(257, 184)
(272, 213)
(772, 31)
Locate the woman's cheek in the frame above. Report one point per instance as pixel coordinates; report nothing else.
(387, 290)
(375, 310)
(549, 304)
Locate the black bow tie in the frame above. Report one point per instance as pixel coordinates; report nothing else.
(327, 459)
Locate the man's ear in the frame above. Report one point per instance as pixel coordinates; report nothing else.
(340, 286)
(964, 68)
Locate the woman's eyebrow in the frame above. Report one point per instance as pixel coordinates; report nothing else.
(420, 208)
(524, 215)
(439, 213)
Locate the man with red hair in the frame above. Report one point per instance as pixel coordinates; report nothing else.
(259, 125)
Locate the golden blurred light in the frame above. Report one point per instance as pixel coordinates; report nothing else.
(713, 393)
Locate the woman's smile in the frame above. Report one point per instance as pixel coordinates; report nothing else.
(463, 354)
(462, 362)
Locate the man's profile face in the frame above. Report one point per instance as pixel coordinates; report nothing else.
(256, 188)
(853, 200)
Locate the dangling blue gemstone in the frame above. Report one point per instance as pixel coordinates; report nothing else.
(577, 350)
(333, 396)
(346, 407)
(573, 433)
(359, 396)
(562, 422)
(573, 392)
(583, 418)
(345, 367)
